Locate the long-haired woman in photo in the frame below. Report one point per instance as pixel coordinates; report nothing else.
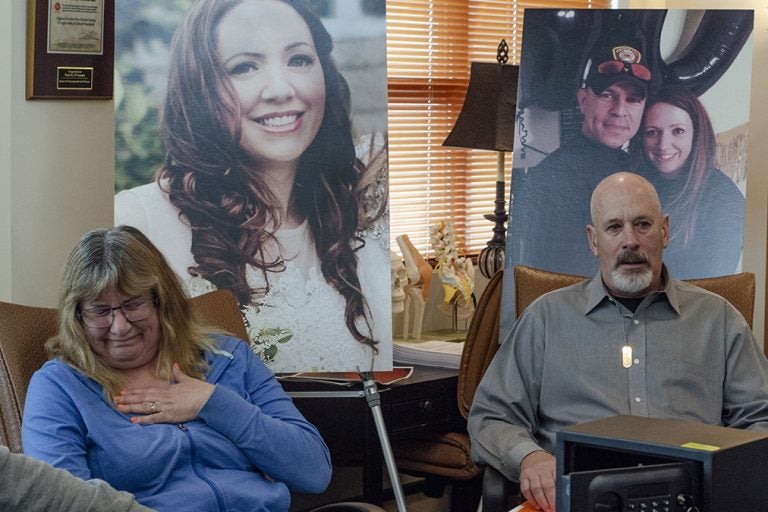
(676, 152)
(265, 192)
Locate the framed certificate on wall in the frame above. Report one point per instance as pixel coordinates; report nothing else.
(70, 49)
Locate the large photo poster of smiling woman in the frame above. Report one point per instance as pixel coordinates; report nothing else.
(663, 93)
(251, 149)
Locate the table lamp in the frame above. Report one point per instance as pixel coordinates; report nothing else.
(487, 121)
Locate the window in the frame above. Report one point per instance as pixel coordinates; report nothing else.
(430, 45)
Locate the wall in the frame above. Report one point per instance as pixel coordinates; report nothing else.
(756, 215)
(6, 22)
(56, 174)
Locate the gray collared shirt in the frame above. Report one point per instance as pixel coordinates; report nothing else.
(693, 358)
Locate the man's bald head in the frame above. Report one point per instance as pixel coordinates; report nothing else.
(627, 183)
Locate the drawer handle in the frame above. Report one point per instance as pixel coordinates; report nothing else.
(427, 405)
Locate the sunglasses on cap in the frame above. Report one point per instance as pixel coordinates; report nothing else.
(613, 67)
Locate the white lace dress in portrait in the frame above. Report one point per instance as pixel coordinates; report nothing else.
(299, 324)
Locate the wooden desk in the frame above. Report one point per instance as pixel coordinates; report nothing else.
(426, 401)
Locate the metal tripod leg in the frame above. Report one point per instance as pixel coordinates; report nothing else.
(371, 393)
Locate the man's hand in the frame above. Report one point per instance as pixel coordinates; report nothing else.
(537, 480)
(178, 403)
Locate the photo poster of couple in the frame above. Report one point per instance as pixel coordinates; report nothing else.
(251, 148)
(663, 93)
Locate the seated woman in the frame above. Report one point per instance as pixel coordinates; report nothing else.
(142, 396)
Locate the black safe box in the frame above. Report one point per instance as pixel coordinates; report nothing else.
(630, 463)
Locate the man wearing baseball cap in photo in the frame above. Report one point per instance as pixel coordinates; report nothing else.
(614, 92)
(548, 210)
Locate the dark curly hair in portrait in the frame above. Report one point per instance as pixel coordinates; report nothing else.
(231, 210)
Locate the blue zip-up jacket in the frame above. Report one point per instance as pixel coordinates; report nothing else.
(246, 450)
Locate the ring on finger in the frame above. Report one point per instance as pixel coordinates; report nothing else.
(152, 407)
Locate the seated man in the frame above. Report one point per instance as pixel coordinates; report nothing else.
(631, 340)
(31, 485)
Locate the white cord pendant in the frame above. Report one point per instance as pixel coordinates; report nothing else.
(626, 356)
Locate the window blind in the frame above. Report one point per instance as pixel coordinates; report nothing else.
(430, 45)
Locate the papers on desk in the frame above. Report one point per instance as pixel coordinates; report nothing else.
(445, 354)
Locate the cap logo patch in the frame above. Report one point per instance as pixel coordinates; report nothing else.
(626, 54)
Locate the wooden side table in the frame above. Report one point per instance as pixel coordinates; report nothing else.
(426, 401)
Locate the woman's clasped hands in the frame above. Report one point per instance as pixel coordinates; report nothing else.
(179, 402)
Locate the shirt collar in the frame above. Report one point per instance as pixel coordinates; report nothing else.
(597, 292)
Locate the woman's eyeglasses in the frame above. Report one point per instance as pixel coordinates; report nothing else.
(134, 310)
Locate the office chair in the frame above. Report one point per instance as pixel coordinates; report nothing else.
(738, 289)
(24, 330)
(445, 458)
(531, 283)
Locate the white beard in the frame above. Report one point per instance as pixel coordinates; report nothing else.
(632, 282)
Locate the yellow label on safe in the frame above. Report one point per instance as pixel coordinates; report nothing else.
(701, 446)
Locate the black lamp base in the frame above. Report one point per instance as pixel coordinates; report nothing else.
(491, 258)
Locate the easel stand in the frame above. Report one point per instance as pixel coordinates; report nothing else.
(371, 393)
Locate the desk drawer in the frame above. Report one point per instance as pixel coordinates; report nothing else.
(423, 412)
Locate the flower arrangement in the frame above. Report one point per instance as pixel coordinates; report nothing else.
(456, 272)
